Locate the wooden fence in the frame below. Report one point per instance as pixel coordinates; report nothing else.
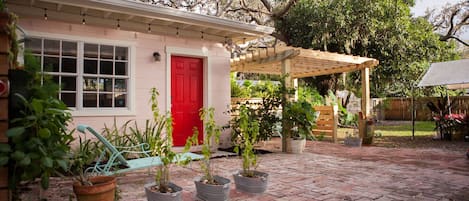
(401, 108)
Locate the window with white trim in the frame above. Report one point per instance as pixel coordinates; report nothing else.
(90, 75)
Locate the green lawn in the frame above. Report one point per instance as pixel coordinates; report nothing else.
(404, 129)
(421, 128)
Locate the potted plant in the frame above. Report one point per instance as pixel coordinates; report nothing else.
(162, 189)
(249, 180)
(86, 188)
(38, 135)
(210, 187)
(352, 140)
(299, 119)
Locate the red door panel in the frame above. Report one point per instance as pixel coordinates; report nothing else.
(187, 97)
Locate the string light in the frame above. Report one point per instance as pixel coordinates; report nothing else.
(45, 13)
(118, 26)
(83, 21)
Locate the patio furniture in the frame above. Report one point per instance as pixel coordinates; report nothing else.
(118, 164)
(326, 122)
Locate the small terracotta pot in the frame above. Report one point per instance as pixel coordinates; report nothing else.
(103, 189)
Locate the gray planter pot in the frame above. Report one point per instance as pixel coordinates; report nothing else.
(157, 196)
(209, 192)
(296, 146)
(353, 141)
(251, 184)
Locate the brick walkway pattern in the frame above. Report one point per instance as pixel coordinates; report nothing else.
(366, 173)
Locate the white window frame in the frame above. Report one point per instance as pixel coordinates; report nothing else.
(79, 110)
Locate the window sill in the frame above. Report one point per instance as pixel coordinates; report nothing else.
(102, 112)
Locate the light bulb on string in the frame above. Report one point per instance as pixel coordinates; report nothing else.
(202, 35)
(45, 13)
(149, 28)
(83, 21)
(177, 32)
(118, 24)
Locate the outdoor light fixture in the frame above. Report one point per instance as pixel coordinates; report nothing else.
(156, 56)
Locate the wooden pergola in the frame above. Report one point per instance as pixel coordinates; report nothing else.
(300, 63)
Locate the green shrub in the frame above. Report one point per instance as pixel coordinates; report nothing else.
(39, 139)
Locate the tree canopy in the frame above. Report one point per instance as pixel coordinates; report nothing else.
(381, 29)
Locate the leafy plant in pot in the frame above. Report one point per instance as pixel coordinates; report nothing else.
(38, 135)
(299, 118)
(210, 187)
(162, 189)
(86, 187)
(249, 180)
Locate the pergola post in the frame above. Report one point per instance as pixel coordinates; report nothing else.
(365, 100)
(286, 72)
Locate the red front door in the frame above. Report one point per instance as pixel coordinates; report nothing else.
(186, 97)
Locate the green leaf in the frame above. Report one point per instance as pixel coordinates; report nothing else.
(44, 133)
(62, 164)
(16, 131)
(34, 156)
(3, 160)
(47, 162)
(25, 161)
(17, 155)
(37, 106)
(5, 148)
(45, 180)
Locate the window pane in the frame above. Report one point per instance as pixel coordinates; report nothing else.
(121, 53)
(106, 52)
(69, 48)
(105, 100)
(121, 68)
(54, 79)
(90, 100)
(69, 99)
(105, 84)
(105, 67)
(90, 84)
(51, 47)
(120, 86)
(120, 100)
(34, 44)
(51, 64)
(69, 65)
(69, 83)
(90, 66)
(91, 50)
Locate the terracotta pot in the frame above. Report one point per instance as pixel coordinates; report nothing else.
(4, 20)
(103, 189)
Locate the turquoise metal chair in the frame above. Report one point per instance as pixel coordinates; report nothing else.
(118, 164)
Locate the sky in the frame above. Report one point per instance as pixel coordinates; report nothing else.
(422, 5)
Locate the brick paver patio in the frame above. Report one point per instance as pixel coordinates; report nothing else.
(325, 172)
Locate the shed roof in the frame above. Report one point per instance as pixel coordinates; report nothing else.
(304, 62)
(137, 16)
(453, 74)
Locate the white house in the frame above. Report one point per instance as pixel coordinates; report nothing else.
(108, 54)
